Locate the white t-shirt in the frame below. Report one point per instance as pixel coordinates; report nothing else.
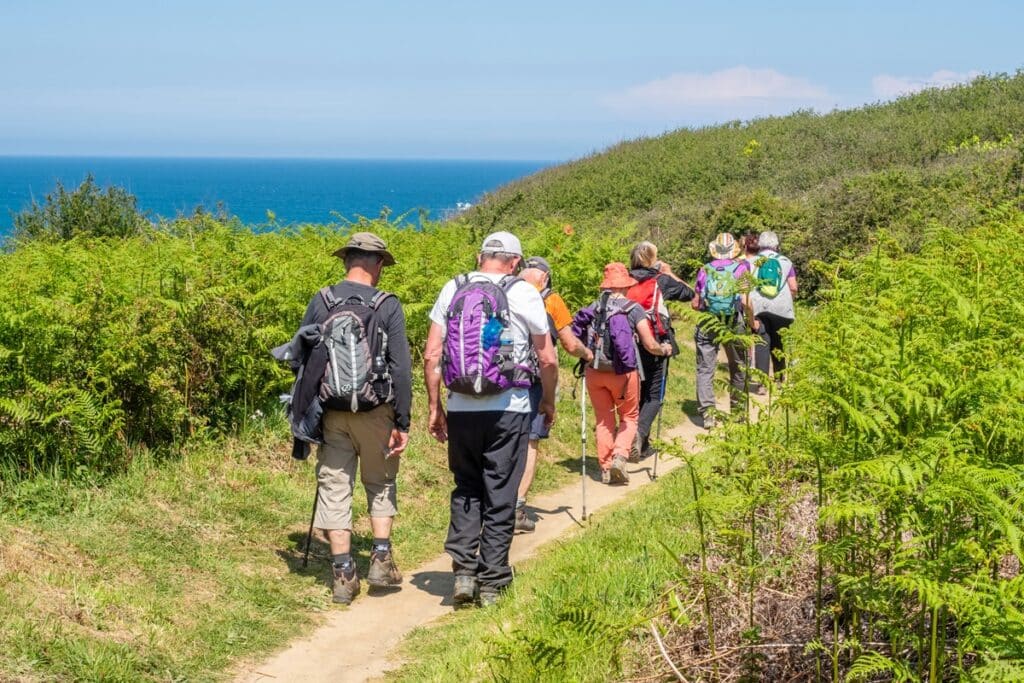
(526, 308)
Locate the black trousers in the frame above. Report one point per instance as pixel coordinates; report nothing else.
(771, 324)
(650, 397)
(487, 455)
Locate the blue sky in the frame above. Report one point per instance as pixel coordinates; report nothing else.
(515, 80)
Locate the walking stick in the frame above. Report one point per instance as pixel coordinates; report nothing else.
(583, 445)
(309, 536)
(661, 406)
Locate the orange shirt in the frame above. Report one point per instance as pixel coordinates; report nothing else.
(559, 312)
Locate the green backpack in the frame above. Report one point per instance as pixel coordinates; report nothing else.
(769, 276)
(720, 288)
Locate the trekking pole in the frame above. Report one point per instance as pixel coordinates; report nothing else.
(661, 406)
(583, 446)
(309, 536)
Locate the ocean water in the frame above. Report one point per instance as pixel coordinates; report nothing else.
(295, 190)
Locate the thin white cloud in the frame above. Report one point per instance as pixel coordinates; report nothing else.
(886, 86)
(740, 88)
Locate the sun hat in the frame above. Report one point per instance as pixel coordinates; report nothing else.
(616, 276)
(367, 241)
(541, 264)
(502, 243)
(724, 246)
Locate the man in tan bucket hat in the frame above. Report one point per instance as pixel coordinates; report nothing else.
(366, 428)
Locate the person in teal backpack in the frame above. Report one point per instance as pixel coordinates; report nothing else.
(718, 292)
(771, 302)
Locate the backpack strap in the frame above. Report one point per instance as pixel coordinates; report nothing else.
(327, 294)
(378, 299)
(508, 281)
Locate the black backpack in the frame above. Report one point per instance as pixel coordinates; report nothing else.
(356, 377)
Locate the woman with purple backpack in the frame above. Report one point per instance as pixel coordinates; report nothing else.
(610, 327)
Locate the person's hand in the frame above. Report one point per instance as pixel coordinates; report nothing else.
(756, 326)
(666, 349)
(588, 356)
(547, 409)
(438, 424)
(397, 443)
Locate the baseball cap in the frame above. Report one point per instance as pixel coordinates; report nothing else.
(502, 242)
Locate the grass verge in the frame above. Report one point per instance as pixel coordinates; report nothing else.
(573, 610)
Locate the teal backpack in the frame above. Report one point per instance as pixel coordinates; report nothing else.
(769, 276)
(720, 289)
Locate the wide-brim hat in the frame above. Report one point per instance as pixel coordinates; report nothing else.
(368, 242)
(724, 246)
(616, 276)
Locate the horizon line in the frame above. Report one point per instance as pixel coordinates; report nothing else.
(212, 157)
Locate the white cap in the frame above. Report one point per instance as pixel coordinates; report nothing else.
(502, 242)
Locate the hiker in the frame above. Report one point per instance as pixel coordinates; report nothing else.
(771, 303)
(488, 339)
(368, 431)
(610, 327)
(750, 249)
(718, 291)
(538, 273)
(656, 284)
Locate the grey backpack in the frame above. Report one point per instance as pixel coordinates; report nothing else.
(356, 377)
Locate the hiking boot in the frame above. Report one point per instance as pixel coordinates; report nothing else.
(634, 450)
(709, 422)
(383, 571)
(617, 473)
(465, 591)
(524, 525)
(346, 586)
(606, 477)
(488, 596)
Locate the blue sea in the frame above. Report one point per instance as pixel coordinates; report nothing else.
(294, 190)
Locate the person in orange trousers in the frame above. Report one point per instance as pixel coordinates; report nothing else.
(611, 327)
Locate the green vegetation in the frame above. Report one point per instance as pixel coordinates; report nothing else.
(824, 182)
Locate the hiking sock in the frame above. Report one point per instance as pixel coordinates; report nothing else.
(343, 563)
(381, 545)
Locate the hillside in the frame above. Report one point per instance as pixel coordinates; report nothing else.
(824, 181)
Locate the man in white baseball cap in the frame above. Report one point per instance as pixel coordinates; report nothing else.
(484, 328)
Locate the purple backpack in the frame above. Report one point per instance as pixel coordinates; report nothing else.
(478, 356)
(607, 331)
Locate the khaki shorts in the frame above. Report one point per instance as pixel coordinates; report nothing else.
(351, 438)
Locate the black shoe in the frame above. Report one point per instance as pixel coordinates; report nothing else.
(524, 525)
(488, 597)
(465, 590)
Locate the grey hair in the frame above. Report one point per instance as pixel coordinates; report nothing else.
(503, 256)
(768, 240)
